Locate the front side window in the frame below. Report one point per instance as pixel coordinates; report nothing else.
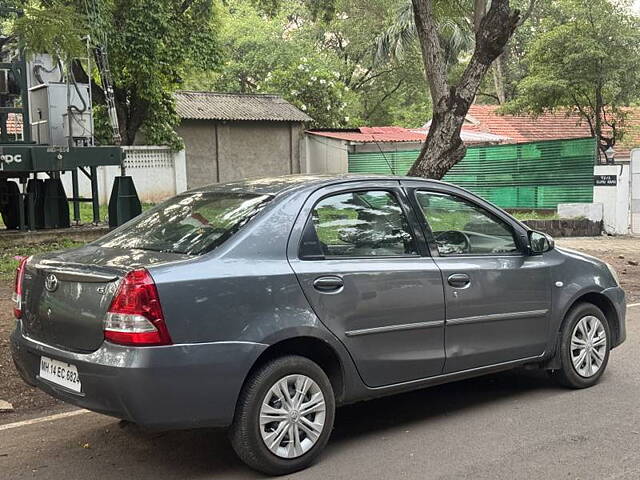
(193, 224)
(362, 224)
(460, 227)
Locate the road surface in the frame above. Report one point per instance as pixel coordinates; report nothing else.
(514, 425)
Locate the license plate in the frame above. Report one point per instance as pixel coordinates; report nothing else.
(60, 373)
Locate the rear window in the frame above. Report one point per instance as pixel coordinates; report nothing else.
(193, 224)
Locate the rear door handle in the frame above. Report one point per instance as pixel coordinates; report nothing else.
(459, 280)
(329, 283)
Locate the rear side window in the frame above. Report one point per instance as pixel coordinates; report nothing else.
(191, 224)
(359, 224)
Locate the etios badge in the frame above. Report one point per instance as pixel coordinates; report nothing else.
(51, 283)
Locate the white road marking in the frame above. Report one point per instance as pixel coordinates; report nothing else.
(49, 418)
(633, 305)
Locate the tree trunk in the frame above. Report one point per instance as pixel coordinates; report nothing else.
(602, 146)
(498, 79)
(443, 143)
(443, 147)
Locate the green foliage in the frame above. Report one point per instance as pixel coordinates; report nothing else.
(388, 93)
(151, 45)
(263, 50)
(252, 45)
(319, 9)
(55, 28)
(583, 59)
(315, 89)
(267, 54)
(12, 249)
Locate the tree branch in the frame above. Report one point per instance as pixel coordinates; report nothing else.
(490, 95)
(528, 12)
(384, 98)
(496, 29)
(432, 57)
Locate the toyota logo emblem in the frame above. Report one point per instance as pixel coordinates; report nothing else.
(51, 282)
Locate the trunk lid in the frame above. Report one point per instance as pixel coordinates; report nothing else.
(67, 294)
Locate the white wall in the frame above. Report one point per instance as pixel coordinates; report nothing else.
(615, 199)
(635, 191)
(157, 172)
(325, 155)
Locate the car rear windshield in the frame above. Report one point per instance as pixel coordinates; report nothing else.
(193, 224)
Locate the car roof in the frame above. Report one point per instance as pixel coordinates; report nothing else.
(287, 183)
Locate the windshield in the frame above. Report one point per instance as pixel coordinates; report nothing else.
(191, 224)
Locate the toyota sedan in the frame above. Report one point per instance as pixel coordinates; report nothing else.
(262, 305)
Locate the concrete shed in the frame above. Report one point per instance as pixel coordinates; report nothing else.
(234, 136)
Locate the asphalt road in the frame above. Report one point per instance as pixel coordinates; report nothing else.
(515, 425)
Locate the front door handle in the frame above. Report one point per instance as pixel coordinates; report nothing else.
(330, 283)
(459, 280)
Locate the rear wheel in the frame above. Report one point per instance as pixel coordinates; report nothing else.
(284, 416)
(585, 342)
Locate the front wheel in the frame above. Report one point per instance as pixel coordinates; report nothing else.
(585, 342)
(284, 416)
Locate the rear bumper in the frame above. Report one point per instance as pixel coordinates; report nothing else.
(177, 386)
(617, 298)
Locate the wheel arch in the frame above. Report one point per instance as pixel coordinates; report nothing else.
(315, 349)
(601, 301)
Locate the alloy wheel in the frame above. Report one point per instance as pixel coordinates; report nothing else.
(292, 416)
(588, 346)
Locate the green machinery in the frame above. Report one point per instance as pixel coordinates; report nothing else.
(34, 152)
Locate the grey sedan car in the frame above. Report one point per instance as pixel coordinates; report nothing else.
(262, 305)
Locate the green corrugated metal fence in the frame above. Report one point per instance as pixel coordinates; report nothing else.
(521, 176)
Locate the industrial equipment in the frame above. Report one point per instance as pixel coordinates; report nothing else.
(46, 129)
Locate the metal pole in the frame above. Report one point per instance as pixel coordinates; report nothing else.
(74, 189)
(94, 195)
(31, 196)
(21, 212)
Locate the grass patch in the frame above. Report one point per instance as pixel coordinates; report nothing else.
(534, 215)
(86, 212)
(8, 252)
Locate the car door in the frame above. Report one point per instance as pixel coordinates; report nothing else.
(498, 297)
(361, 260)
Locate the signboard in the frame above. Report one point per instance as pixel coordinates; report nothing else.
(605, 180)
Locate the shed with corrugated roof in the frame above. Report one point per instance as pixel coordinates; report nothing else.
(233, 136)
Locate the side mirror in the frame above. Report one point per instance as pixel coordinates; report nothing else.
(540, 242)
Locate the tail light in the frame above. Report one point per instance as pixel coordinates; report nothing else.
(17, 291)
(135, 315)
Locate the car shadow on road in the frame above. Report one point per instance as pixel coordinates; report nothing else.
(404, 410)
(207, 453)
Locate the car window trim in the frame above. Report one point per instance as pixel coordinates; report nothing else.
(428, 232)
(407, 210)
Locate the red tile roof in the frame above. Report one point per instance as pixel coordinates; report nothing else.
(470, 134)
(372, 134)
(549, 126)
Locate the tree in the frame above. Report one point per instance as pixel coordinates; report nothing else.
(584, 61)
(384, 93)
(443, 147)
(263, 50)
(270, 54)
(151, 44)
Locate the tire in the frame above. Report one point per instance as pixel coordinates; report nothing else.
(246, 432)
(575, 377)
